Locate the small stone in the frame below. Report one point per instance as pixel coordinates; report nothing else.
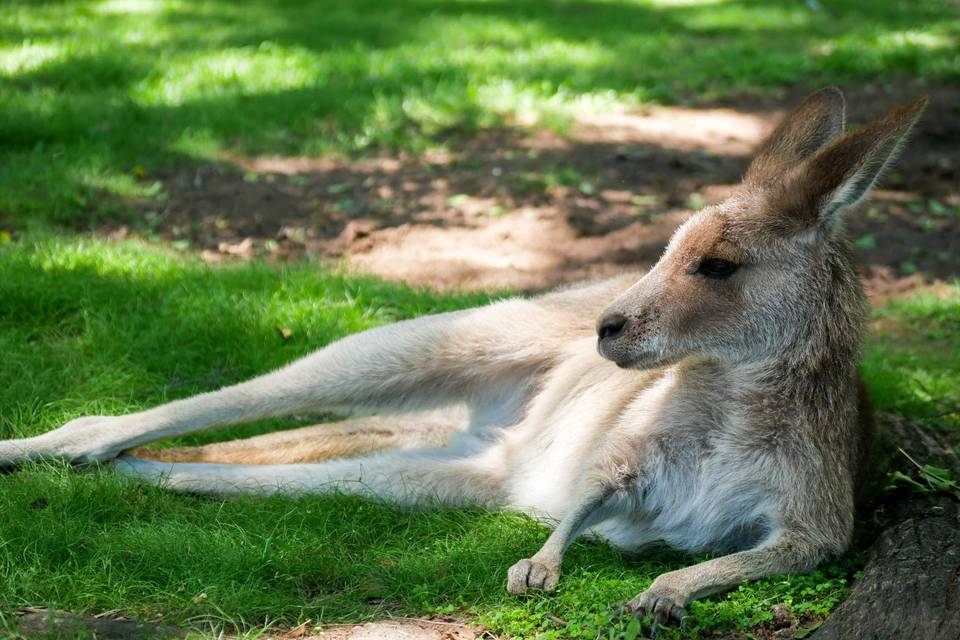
(781, 616)
(357, 229)
(244, 248)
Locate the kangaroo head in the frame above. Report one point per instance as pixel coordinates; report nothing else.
(744, 279)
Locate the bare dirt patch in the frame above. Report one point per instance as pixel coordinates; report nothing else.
(399, 629)
(528, 210)
(54, 625)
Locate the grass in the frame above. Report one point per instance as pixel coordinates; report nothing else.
(96, 97)
(912, 367)
(93, 327)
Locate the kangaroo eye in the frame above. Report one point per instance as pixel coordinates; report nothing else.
(717, 268)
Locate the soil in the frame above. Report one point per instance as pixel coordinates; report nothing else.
(526, 210)
(398, 629)
(56, 625)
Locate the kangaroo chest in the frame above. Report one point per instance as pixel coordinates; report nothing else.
(695, 490)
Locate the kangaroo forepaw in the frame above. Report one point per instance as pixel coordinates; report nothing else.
(667, 605)
(532, 574)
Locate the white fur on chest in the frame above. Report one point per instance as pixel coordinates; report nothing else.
(710, 501)
(553, 450)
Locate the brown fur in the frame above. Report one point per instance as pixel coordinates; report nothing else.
(801, 197)
(327, 441)
(815, 122)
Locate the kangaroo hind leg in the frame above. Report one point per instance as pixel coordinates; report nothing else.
(316, 443)
(415, 476)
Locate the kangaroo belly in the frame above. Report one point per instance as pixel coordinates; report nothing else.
(714, 515)
(697, 513)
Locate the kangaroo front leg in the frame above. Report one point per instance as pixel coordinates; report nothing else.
(542, 571)
(670, 594)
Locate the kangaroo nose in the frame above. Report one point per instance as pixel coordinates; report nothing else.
(611, 326)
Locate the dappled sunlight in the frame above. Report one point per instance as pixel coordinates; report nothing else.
(720, 131)
(505, 210)
(532, 209)
(916, 39)
(761, 16)
(214, 124)
(132, 261)
(532, 250)
(233, 73)
(29, 56)
(194, 192)
(107, 307)
(924, 51)
(160, 84)
(135, 7)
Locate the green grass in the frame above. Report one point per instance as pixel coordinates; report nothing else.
(92, 327)
(95, 97)
(98, 99)
(913, 365)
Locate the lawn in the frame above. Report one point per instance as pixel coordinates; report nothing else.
(94, 327)
(98, 98)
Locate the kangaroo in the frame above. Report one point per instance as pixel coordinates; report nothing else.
(712, 403)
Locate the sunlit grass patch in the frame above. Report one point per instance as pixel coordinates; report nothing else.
(28, 56)
(232, 72)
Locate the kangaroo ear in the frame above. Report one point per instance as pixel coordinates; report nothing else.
(817, 121)
(840, 174)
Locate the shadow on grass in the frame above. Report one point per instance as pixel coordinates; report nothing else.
(95, 328)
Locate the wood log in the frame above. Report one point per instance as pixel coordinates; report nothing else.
(910, 588)
(54, 625)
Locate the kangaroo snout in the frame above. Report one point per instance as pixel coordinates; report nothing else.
(615, 337)
(610, 326)
(626, 337)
